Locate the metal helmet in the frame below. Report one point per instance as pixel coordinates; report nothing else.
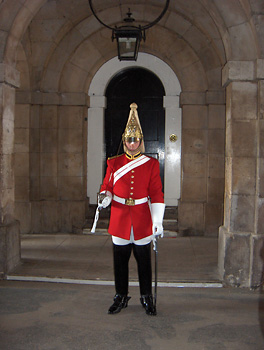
(133, 131)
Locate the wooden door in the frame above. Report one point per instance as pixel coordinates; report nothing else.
(146, 90)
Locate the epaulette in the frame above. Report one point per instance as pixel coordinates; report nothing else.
(119, 155)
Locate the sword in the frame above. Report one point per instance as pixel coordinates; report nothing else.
(155, 248)
(96, 217)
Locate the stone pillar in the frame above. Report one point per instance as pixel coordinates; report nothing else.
(241, 238)
(200, 210)
(9, 227)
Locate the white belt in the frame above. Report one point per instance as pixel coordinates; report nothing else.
(130, 201)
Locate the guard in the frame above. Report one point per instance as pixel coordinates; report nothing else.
(133, 186)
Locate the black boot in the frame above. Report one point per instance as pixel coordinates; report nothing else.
(147, 303)
(120, 302)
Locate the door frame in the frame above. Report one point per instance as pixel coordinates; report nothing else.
(173, 124)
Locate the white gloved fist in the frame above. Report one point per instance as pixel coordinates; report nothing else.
(157, 213)
(157, 229)
(104, 199)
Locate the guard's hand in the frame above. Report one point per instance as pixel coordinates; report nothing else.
(103, 200)
(157, 229)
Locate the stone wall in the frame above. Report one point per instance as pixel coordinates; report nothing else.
(50, 167)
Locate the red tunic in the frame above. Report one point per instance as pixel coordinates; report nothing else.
(141, 181)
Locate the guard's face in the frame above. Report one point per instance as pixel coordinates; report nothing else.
(132, 145)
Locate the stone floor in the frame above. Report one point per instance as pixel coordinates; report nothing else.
(89, 257)
(73, 315)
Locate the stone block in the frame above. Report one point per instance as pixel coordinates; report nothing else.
(178, 23)
(192, 98)
(213, 219)
(194, 165)
(48, 188)
(48, 140)
(7, 205)
(216, 117)
(65, 217)
(194, 189)
(244, 175)
(72, 215)
(260, 65)
(214, 78)
(194, 117)
(36, 217)
(261, 99)
(23, 97)
(21, 140)
(7, 167)
(21, 188)
(238, 70)
(79, 58)
(51, 98)
(216, 166)
(216, 141)
(191, 218)
(50, 218)
(22, 115)
(34, 164)
(70, 164)
(7, 136)
(35, 117)
(48, 164)
(48, 119)
(261, 177)
(72, 78)
(71, 187)
(34, 193)
(70, 140)
(216, 189)
(234, 258)
(245, 51)
(9, 247)
(34, 140)
(241, 100)
(21, 164)
(227, 210)
(8, 104)
(23, 215)
(242, 213)
(257, 261)
(71, 117)
(241, 139)
(77, 214)
(194, 141)
(9, 74)
(260, 216)
(261, 138)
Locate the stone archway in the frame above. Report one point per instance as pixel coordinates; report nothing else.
(172, 116)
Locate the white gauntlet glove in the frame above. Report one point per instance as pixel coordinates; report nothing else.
(104, 199)
(157, 213)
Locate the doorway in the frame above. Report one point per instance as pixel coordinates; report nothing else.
(96, 156)
(146, 90)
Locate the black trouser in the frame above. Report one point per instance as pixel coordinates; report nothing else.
(142, 255)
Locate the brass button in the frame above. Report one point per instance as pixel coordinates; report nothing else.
(131, 193)
(132, 171)
(131, 188)
(132, 176)
(132, 182)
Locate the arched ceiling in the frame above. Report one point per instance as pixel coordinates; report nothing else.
(64, 44)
